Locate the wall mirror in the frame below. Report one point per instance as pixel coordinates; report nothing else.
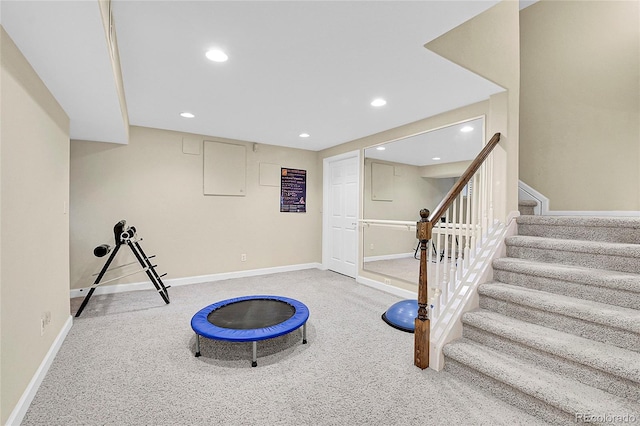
(400, 178)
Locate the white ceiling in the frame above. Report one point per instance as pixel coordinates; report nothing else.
(64, 41)
(294, 66)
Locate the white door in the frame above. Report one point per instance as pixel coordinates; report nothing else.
(341, 214)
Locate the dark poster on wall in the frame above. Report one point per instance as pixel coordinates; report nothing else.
(293, 190)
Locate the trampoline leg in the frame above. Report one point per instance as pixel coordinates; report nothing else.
(254, 363)
(197, 345)
(304, 333)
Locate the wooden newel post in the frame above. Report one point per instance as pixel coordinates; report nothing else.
(422, 323)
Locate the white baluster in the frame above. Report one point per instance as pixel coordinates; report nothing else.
(491, 189)
(474, 214)
(452, 263)
(485, 198)
(461, 241)
(468, 221)
(445, 257)
(431, 310)
(437, 301)
(437, 266)
(431, 273)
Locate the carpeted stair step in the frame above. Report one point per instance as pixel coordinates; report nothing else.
(612, 256)
(599, 285)
(609, 324)
(605, 229)
(552, 397)
(606, 367)
(527, 207)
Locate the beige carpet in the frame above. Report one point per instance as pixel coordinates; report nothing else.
(406, 268)
(129, 360)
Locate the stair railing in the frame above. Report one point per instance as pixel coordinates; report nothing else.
(455, 229)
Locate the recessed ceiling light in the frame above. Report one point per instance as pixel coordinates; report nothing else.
(216, 55)
(381, 148)
(304, 135)
(466, 129)
(186, 115)
(436, 158)
(378, 102)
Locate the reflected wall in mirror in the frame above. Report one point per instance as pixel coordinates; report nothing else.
(401, 178)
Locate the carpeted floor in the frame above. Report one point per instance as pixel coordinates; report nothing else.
(129, 360)
(405, 268)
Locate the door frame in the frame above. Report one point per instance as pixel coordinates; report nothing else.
(325, 205)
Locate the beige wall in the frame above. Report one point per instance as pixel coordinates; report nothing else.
(488, 45)
(158, 189)
(411, 194)
(580, 123)
(34, 262)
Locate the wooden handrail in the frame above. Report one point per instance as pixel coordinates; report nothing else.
(464, 179)
(423, 233)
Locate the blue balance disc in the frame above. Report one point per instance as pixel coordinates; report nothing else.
(402, 315)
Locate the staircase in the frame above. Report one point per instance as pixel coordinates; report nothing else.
(558, 331)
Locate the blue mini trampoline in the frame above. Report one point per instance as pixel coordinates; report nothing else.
(249, 319)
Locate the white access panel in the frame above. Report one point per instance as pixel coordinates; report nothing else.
(225, 169)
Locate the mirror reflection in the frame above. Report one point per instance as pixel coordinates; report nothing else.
(400, 178)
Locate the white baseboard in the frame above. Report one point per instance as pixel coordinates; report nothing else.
(174, 282)
(406, 294)
(388, 257)
(614, 213)
(528, 193)
(18, 413)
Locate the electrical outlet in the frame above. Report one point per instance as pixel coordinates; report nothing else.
(371, 246)
(387, 281)
(243, 257)
(45, 320)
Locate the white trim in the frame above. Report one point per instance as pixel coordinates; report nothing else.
(433, 129)
(613, 213)
(18, 413)
(400, 223)
(526, 192)
(396, 291)
(511, 217)
(325, 204)
(388, 257)
(175, 282)
(448, 326)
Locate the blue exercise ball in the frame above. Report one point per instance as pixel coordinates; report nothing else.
(402, 315)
